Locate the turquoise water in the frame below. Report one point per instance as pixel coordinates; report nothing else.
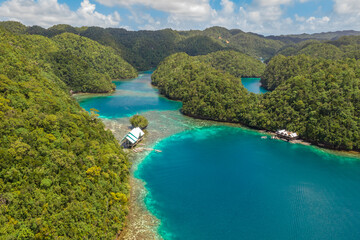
(253, 85)
(131, 97)
(224, 182)
(228, 183)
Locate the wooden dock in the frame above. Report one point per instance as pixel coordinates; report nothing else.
(142, 149)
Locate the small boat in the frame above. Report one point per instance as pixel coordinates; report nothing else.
(264, 137)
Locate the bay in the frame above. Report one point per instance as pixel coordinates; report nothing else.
(213, 181)
(228, 183)
(134, 96)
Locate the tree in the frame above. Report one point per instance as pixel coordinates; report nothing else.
(139, 121)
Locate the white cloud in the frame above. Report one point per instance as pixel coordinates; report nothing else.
(228, 6)
(196, 10)
(49, 12)
(260, 16)
(299, 19)
(270, 3)
(272, 13)
(347, 7)
(314, 23)
(314, 20)
(145, 21)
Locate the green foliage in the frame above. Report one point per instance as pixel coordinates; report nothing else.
(350, 45)
(15, 27)
(235, 63)
(83, 64)
(317, 98)
(139, 121)
(344, 47)
(199, 45)
(102, 59)
(87, 66)
(146, 49)
(319, 101)
(206, 92)
(48, 149)
(61, 28)
(281, 68)
(142, 49)
(314, 49)
(322, 50)
(315, 36)
(255, 45)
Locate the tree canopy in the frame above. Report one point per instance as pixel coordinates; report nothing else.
(62, 176)
(146, 49)
(139, 121)
(315, 97)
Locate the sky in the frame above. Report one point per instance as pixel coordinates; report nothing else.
(267, 17)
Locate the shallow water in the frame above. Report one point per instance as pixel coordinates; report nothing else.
(213, 181)
(228, 183)
(131, 97)
(253, 85)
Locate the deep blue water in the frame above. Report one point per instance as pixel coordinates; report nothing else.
(228, 183)
(131, 97)
(253, 85)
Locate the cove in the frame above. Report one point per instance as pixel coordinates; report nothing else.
(225, 182)
(253, 85)
(228, 183)
(134, 96)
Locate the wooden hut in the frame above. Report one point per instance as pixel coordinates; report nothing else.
(132, 138)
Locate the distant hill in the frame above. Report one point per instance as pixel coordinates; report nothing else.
(295, 38)
(343, 47)
(145, 49)
(252, 44)
(82, 64)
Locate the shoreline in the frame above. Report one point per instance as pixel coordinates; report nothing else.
(299, 140)
(140, 222)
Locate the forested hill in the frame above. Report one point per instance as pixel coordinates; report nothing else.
(87, 66)
(83, 64)
(235, 63)
(315, 36)
(206, 92)
(62, 176)
(146, 49)
(317, 98)
(344, 47)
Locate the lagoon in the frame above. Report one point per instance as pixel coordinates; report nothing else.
(225, 182)
(228, 183)
(253, 85)
(131, 97)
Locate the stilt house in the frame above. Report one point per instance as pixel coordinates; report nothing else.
(132, 138)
